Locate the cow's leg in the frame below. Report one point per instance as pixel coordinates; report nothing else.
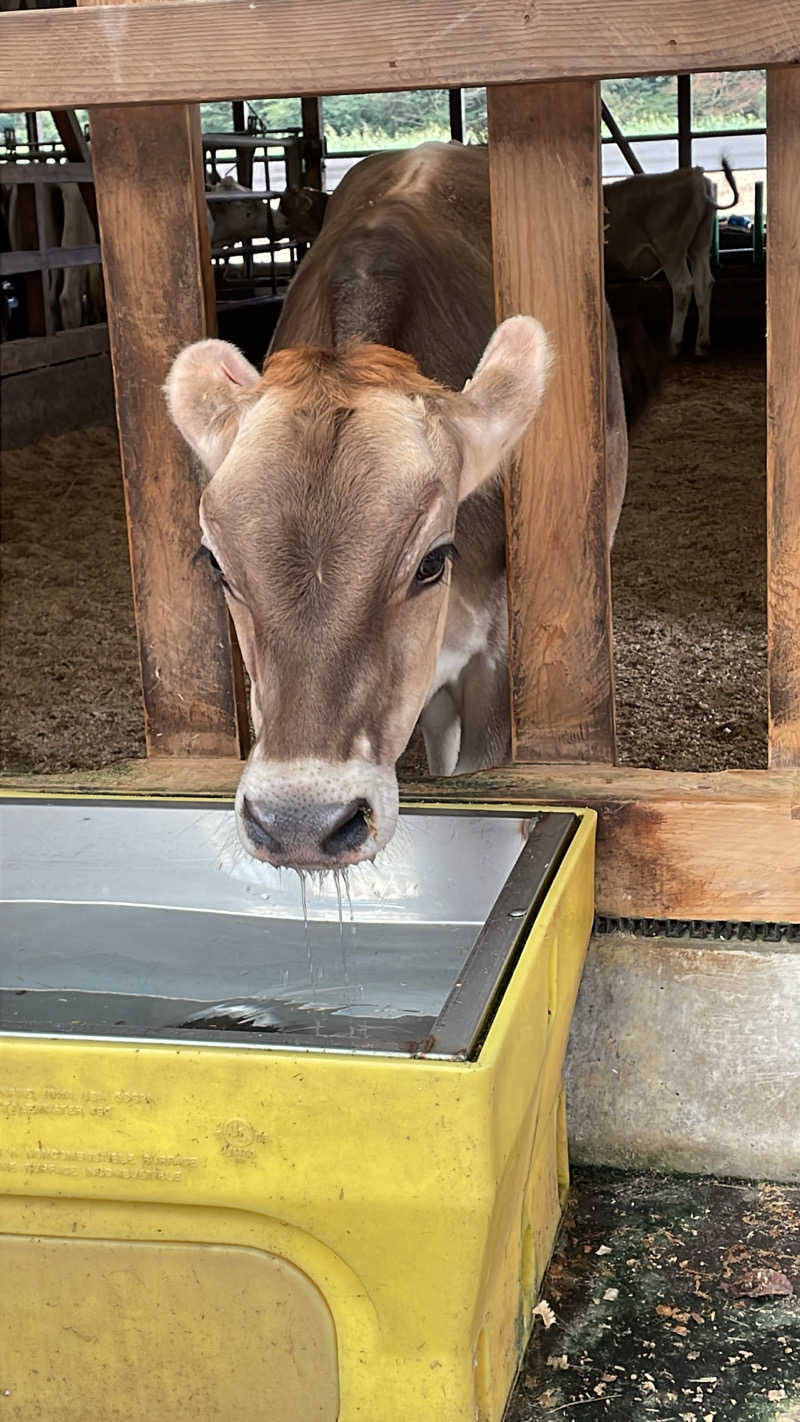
(96, 302)
(70, 300)
(440, 723)
(702, 281)
(77, 231)
(485, 718)
(680, 280)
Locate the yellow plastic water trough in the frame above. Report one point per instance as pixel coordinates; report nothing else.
(246, 1180)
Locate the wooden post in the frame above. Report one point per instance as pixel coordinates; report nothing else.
(544, 159)
(455, 98)
(244, 156)
(684, 120)
(148, 172)
(783, 416)
(32, 128)
(313, 146)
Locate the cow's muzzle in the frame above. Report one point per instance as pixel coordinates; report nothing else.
(314, 814)
(321, 833)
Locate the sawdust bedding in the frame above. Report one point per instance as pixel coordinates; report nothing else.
(688, 569)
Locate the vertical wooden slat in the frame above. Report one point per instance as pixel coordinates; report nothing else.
(783, 416)
(148, 169)
(544, 157)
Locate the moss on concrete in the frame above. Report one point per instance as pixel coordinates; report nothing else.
(652, 1287)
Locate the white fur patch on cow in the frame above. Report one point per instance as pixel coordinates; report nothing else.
(473, 637)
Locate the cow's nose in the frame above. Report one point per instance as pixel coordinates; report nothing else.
(307, 835)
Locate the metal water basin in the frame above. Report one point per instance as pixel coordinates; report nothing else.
(146, 920)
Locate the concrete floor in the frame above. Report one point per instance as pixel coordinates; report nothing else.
(676, 1299)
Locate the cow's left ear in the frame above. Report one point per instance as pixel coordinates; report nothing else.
(493, 411)
(208, 390)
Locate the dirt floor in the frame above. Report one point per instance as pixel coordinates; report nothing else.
(688, 588)
(689, 574)
(675, 1300)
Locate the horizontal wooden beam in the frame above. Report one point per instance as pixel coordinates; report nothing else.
(33, 352)
(53, 257)
(670, 845)
(11, 173)
(69, 58)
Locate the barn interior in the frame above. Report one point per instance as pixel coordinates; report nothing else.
(690, 554)
(657, 1314)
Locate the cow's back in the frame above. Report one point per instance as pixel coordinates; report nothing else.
(648, 214)
(404, 259)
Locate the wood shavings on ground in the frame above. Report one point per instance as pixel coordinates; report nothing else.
(688, 584)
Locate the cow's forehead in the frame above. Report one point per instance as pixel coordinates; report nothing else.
(384, 450)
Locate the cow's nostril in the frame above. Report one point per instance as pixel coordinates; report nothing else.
(259, 832)
(350, 830)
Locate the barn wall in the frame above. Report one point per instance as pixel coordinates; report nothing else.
(54, 399)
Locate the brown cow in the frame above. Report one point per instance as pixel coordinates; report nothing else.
(300, 214)
(355, 509)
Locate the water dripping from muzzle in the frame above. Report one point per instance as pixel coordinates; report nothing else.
(304, 902)
(337, 878)
(346, 873)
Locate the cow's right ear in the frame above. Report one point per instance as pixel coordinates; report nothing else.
(208, 390)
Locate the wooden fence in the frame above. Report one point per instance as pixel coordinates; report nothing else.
(672, 845)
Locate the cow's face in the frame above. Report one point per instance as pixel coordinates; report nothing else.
(330, 521)
(300, 214)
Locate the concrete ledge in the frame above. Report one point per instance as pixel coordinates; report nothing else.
(686, 1056)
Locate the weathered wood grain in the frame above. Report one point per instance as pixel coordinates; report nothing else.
(149, 185)
(50, 259)
(221, 48)
(670, 844)
(28, 173)
(32, 352)
(544, 167)
(783, 417)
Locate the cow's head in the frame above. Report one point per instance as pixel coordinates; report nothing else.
(300, 214)
(330, 521)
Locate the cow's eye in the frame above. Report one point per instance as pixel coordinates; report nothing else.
(431, 569)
